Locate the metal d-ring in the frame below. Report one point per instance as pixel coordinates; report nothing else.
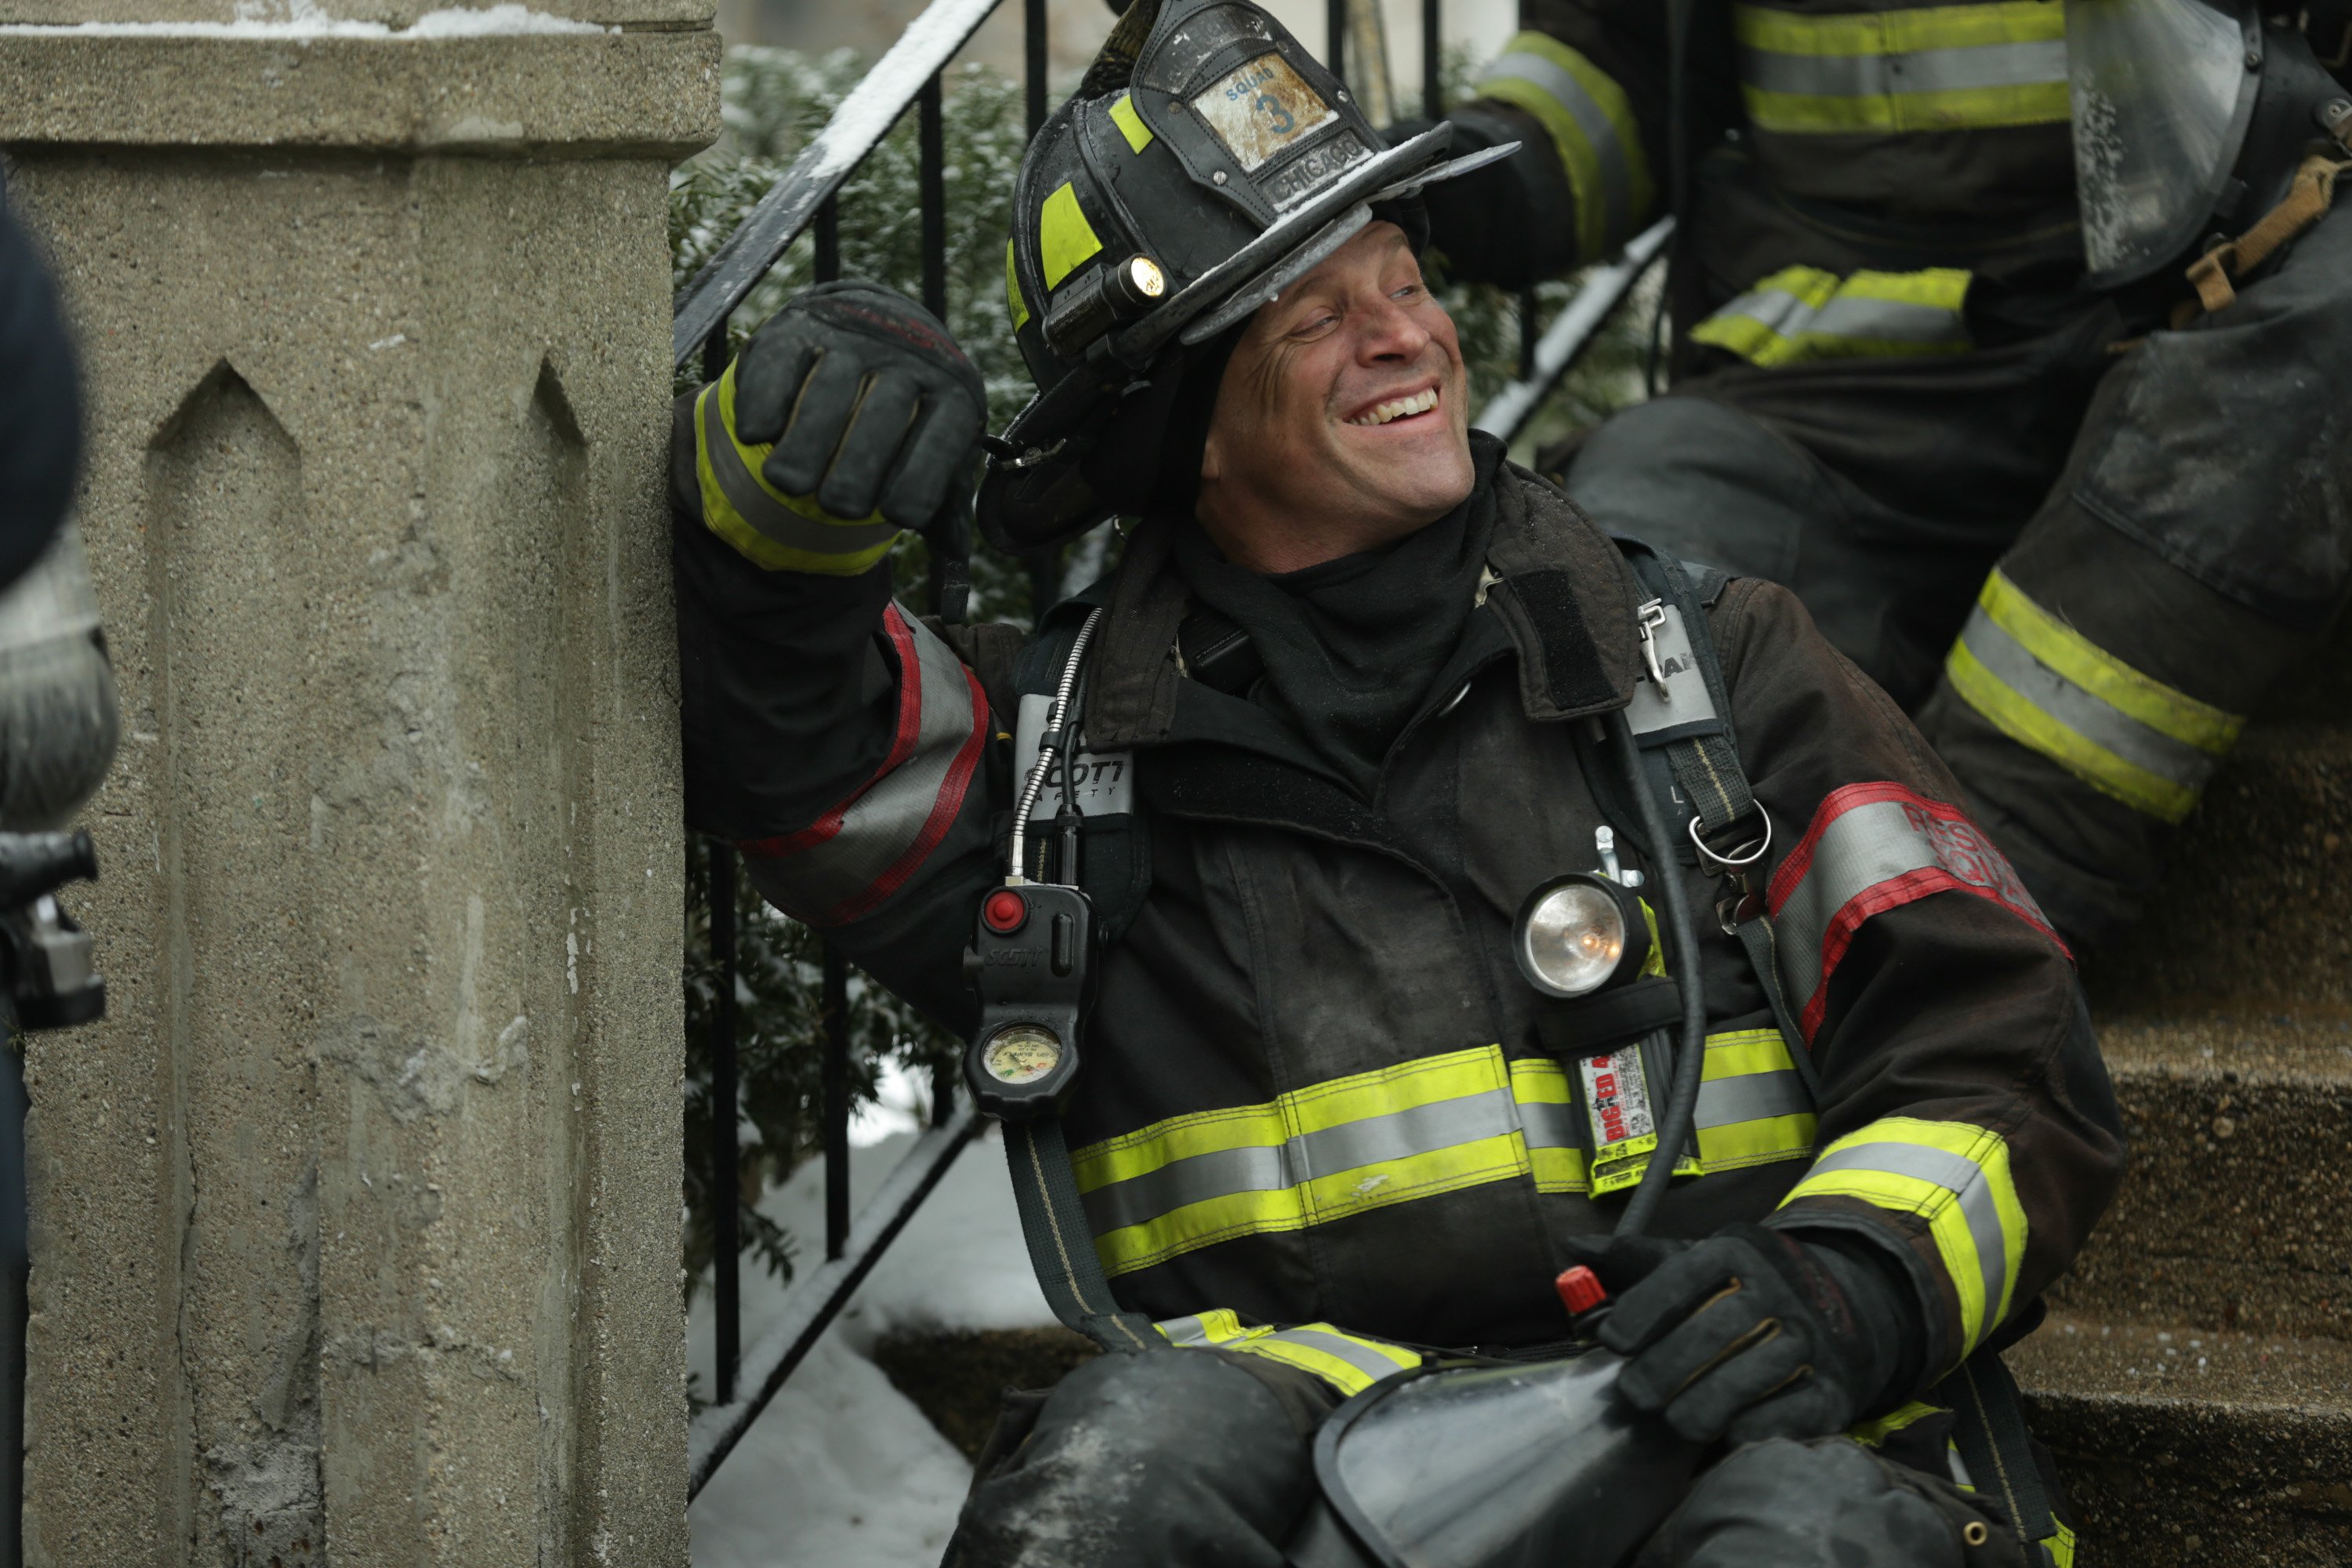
(1734, 862)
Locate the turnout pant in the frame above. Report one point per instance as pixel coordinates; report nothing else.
(2083, 660)
(1203, 1460)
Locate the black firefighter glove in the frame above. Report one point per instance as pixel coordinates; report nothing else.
(870, 405)
(1512, 224)
(1757, 1332)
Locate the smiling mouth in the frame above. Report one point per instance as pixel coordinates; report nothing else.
(1396, 408)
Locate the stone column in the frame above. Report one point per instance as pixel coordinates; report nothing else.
(356, 1222)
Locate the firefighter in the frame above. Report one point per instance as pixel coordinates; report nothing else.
(1449, 894)
(1938, 364)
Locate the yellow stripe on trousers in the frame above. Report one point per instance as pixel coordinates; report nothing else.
(2052, 690)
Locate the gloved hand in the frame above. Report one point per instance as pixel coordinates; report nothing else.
(1756, 1332)
(1512, 224)
(869, 402)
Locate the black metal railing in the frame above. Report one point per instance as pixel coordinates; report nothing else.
(804, 200)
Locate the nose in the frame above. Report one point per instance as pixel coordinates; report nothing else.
(1390, 332)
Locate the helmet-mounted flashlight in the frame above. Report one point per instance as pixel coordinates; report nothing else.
(1578, 933)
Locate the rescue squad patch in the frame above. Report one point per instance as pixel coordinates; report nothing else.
(1262, 109)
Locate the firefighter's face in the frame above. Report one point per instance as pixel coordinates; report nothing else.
(1343, 413)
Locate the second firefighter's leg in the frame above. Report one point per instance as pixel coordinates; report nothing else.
(1710, 483)
(1175, 1459)
(2200, 546)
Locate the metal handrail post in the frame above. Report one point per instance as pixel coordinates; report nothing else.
(726, 1154)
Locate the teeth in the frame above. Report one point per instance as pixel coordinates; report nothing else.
(1398, 407)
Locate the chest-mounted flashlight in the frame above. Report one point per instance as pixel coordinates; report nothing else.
(1578, 933)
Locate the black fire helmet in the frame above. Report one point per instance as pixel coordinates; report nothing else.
(1207, 162)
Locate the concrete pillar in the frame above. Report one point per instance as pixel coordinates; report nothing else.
(356, 1222)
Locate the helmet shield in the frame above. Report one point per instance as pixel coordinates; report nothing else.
(1155, 211)
(2162, 91)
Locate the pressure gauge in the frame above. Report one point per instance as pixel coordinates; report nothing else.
(1020, 1053)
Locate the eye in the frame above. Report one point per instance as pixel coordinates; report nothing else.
(1408, 293)
(1314, 321)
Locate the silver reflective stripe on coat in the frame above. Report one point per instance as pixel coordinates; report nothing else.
(1963, 1178)
(1898, 74)
(1751, 1096)
(1873, 848)
(850, 860)
(1398, 1135)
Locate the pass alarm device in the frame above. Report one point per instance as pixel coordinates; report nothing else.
(1033, 947)
(1028, 957)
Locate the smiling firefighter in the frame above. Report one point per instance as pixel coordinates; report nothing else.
(1381, 897)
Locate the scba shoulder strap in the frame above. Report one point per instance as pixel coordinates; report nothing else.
(1073, 791)
(1681, 719)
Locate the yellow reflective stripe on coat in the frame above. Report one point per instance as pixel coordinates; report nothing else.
(782, 532)
(1956, 1178)
(1804, 313)
(1349, 1362)
(2060, 1547)
(1592, 125)
(1415, 1131)
(1753, 1109)
(1941, 67)
(1316, 1154)
(2052, 690)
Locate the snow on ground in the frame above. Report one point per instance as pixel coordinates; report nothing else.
(841, 1470)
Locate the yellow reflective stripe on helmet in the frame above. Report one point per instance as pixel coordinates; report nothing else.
(1802, 313)
(1350, 1363)
(1592, 125)
(1064, 237)
(1944, 67)
(780, 532)
(1131, 125)
(2051, 689)
(1956, 1178)
(1014, 305)
(1753, 1109)
(1316, 1154)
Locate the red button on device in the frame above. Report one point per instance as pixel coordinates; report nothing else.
(1580, 1289)
(1005, 911)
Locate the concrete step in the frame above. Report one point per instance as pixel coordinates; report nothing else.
(2251, 913)
(2184, 1448)
(2237, 1212)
